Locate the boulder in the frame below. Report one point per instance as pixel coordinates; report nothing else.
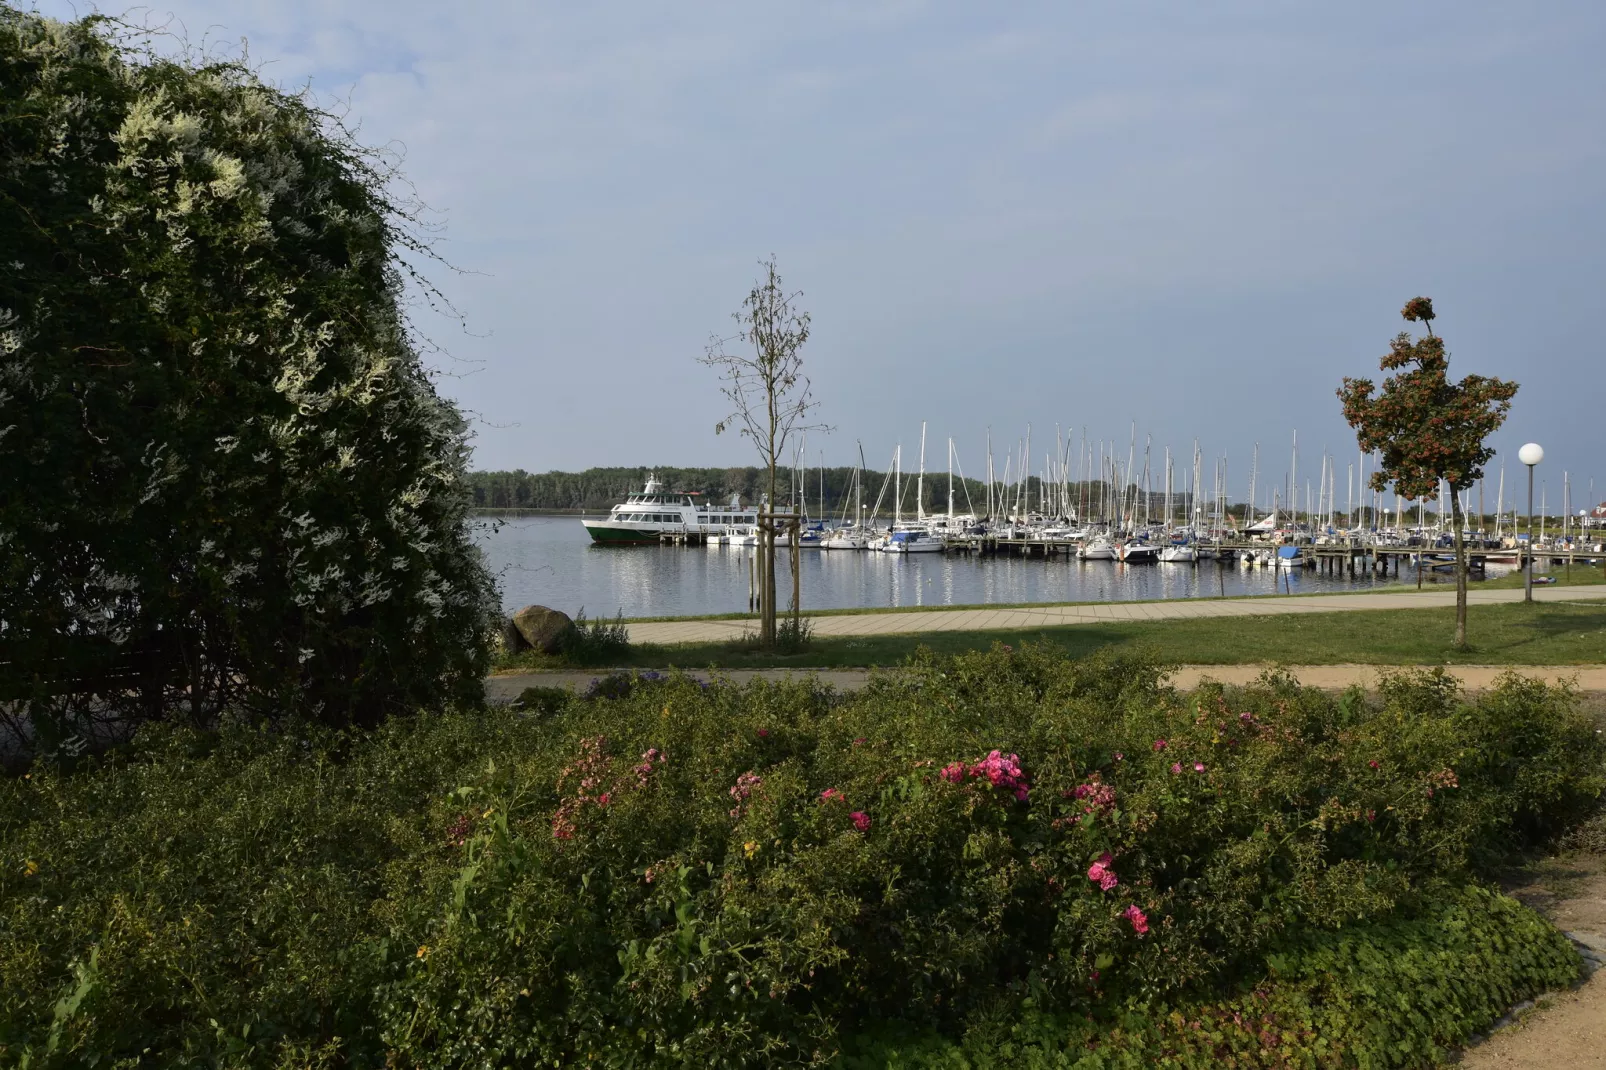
(512, 641)
(543, 629)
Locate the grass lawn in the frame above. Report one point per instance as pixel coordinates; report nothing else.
(1516, 634)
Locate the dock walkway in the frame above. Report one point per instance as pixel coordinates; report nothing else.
(1050, 616)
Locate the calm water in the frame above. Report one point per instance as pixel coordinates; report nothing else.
(550, 561)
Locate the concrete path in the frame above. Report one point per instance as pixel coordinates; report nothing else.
(506, 688)
(967, 620)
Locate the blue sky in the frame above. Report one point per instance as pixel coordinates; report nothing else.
(1196, 217)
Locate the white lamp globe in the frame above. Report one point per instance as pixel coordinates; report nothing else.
(1531, 454)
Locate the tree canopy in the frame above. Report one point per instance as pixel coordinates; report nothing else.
(223, 467)
(1428, 430)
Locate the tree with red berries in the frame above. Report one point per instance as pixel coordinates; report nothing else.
(1428, 430)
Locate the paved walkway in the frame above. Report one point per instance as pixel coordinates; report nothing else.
(507, 687)
(968, 620)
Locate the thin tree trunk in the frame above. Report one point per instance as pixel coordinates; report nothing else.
(1460, 571)
(797, 595)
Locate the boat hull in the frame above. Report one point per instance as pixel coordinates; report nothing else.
(614, 535)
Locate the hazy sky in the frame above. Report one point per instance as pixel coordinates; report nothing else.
(1195, 216)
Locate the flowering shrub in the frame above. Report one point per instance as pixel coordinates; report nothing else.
(502, 890)
(227, 480)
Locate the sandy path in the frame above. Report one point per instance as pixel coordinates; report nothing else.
(1571, 1031)
(506, 687)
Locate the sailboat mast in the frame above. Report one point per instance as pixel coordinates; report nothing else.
(920, 483)
(950, 480)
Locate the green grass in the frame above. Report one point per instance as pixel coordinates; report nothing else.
(1515, 634)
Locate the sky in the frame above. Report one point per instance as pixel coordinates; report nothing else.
(1195, 218)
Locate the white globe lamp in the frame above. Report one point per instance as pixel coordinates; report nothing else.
(1530, 455)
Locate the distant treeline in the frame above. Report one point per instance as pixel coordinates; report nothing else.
(598, 489)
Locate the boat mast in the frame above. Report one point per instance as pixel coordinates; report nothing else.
(989, 473)
(950, 480)
(1254, 472)
(897, 486)
(920, 483)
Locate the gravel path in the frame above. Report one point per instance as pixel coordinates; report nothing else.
(1590, 678)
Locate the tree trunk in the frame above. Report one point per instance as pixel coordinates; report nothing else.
(797, 595)
(767, 580)
(1460, 571)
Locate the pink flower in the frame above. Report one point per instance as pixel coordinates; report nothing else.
(1246, 717)
(745, 785)
(1159, 744)
(1198, 767)
(829, 794)
(953, 772)
(1120, 757)
(861, 820)
(763, 732)
(1140, 922)
(1101, 874)
(861, 741)
(602, 800)
(1372, 764)
(1176, 767)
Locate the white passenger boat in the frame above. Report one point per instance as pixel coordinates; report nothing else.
(642, 518)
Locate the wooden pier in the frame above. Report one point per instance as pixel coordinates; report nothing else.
(1326, 558)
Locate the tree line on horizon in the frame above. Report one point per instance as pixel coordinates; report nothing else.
(602, 488)
(599, 489)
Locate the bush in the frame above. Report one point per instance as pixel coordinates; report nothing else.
(226, 479)
(679, 873)
(597, 642)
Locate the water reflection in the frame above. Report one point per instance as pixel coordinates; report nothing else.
(550, 561)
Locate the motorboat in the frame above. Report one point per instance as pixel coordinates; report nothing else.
(1138, 553)
(846, 539)
(1098, 548)
(912, 542)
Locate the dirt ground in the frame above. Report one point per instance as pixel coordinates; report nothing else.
(1567, 1030)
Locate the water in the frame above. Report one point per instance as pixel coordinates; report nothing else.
(550, 561)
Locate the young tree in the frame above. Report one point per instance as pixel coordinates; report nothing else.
(1428, 429)
(769, 397)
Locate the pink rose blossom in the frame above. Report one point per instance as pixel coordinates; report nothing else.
(861, 820)
(1198, 767)
(1120, 757)
(1176, 767)
(1140, 922)
(1101, 874)
(1159, 744)
(830, 794)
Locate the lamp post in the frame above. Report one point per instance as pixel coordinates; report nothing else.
(1530, 455)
